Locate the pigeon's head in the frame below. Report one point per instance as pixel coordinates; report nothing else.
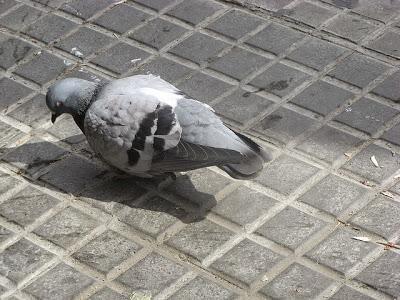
(69, 95)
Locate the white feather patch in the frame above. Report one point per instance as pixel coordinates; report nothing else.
(167, 97)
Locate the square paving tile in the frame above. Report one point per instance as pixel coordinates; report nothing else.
(85, 40)
(7, 182)
(392, 135)
(388, 43)
(158, 33)
(194, 11)
(21, 17)
(380, 216)
(13, 51)
(49, 28)
(11, 92)
(8, 134)
(106, 294)
(358, 70)
(310, 14)
(42, 68)
(328, 143)
(246, 261)
(383, 274)
(285, 174)
(351, 27)
(61, 282)
(238, 63)
(202, 289)
(33, 112)
(120, 57)
(244, 205)
(203, 87)
(361, 164)
(340, 251)
(153, 274)
(290, 227)
(156, 4)
(333, 194)
(367, 115)
(5, 234)
(284, 125)
(322, 97)
(21, 259)
(106, 251)
(242, 106)
(121, 18)
(316, 53)
(26, 206)
(279, 79)
(350, 294)
(389, 88)
(297, 282)
(85, 9)
(379, 10)
(66, 227)
(198, 48)
(235, 24)
(275, 38)
(200, 239)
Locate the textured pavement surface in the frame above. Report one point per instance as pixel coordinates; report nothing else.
(316, 82)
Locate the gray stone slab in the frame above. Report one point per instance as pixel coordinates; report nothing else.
(13, 50)
(156, 4)
(242, 106)
(7, 182)
(286, 174)
(328, 143)
(279, 79)
(367, 115)
(153, 273)
(5, 234)
(333, 194)
(6, 5)
(26, 206)
(106, 251)
(297, 282)
(383, 274)
(20, 259)
(235, 24)
(85, 9)
(290, 227)
(361, 164)
(67, 227)
(340, 251)
(346, 293)
(310, 14)
(246, 261)
(73, 174)
(379, 216)
(21, 17)
(388, 43)
(61, 282)
(322, 97)
(195, 11)
(198, 48)
(106, 294)
(379, 10)
(11, 92)
(42, 68)
(358, 70)
(284, 125)
(244, 205)
(158, 33)
(316, 53)
(238, 63)
(33, 112)
(121, 18)
(389, 88)
(49, 28)
(275, 38)
(8, 134)
(200, 239)
(203, 87)
(202, 289)
(392, 135)
(351, 27)
(67, 130)
(85, 40)
(120, 58)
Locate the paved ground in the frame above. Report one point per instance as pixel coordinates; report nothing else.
(317, 82)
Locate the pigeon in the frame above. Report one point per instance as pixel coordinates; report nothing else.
(146, 127)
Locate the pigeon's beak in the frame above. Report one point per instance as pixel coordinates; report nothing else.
(54, 116)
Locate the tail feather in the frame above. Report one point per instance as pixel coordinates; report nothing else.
(251, 167)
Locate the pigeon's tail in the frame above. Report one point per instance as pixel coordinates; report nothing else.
(250, 167)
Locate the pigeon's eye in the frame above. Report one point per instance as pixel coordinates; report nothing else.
(59, 104)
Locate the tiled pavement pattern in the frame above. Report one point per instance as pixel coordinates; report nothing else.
(318, 83)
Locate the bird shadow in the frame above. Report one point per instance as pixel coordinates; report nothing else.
(49, 164)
